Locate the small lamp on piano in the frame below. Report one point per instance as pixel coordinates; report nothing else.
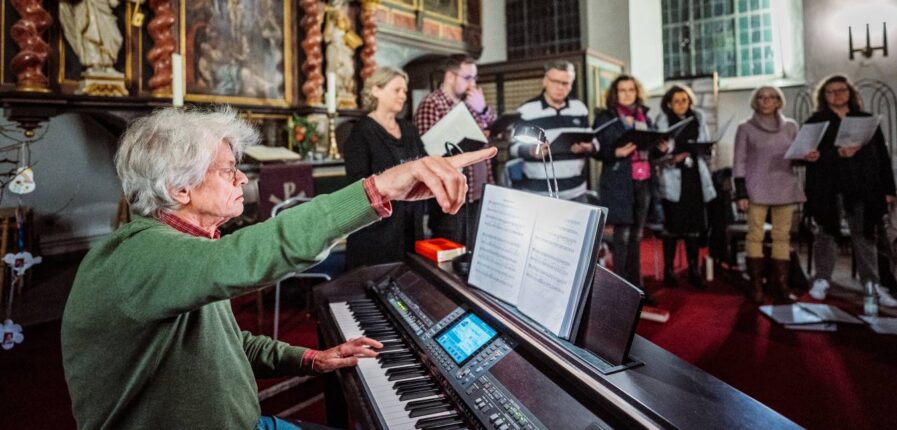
(530, 134)
(535, 135)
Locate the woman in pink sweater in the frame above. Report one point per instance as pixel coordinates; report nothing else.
(765, 182)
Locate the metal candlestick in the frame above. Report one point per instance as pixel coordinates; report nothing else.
(333, 150)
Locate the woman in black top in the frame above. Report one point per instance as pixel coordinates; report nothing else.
(684, 184)
(855, 180)
(380, 141)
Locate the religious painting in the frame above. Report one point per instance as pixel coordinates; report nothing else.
(237, 51)
(449, 8)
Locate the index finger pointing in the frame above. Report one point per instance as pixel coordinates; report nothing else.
(470, 158)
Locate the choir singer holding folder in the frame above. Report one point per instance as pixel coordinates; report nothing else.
(626, 173)
(459, 85)
(556, 112)
(855, 180)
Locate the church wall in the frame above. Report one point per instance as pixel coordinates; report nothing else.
(77, 191)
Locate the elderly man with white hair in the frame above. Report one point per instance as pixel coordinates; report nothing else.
(148, 335)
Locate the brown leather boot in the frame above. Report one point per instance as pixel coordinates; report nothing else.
(780, 271)
(755, 273)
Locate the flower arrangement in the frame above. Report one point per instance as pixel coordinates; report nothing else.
(303, 134)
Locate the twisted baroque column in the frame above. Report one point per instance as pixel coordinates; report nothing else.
(27, 32)
(159, 56)
(369, 35)
(313, 88)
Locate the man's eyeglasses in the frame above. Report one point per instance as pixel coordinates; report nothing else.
(765, 98)
(467, 78)
(560, 83)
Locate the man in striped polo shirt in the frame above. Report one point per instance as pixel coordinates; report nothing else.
(556, 112)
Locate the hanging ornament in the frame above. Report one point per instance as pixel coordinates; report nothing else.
(23, 183)
(20, 262)
(12, 334)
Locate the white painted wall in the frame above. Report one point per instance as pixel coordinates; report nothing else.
(826, 41)
(495, 36)
(77, 190)
(646, 39)
(605, 27)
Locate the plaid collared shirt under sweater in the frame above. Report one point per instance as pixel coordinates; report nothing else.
(437, 105)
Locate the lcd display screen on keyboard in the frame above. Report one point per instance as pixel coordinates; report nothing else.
(464, 338)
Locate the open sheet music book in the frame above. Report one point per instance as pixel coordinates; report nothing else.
(538, 254)
(457, 127)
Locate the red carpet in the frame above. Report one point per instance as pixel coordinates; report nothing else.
(845, 379)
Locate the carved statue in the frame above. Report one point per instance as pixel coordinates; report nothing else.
(342, 41)
(91, 28)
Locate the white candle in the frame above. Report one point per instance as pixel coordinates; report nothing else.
(177, 80)
(331, 92)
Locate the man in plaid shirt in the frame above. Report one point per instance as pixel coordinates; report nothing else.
(459, 84)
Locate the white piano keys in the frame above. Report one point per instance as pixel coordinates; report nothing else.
(385, 398)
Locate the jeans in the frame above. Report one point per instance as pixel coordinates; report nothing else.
(274, 423)
(626, 246)
(864, 249)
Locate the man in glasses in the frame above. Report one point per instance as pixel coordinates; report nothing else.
(459, 84)
(556, 112)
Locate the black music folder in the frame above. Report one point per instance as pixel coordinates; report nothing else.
(502, 123)
(564, 141)
(647, 139)
(465, 145)
(694, 148)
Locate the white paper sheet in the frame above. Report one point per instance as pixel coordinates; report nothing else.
(856, 130)
(454, 127)
(806, 141)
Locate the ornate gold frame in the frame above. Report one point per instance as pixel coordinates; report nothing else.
(288, 79)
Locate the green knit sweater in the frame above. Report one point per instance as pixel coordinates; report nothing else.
(148, 336)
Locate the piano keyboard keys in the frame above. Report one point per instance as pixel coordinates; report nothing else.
(402, 391)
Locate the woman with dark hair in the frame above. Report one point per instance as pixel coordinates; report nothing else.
(857, 181)
(377, 142)
(766, 183)
(684, 183)
(625, 187)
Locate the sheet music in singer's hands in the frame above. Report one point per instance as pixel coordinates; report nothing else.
(856, 130)
(454, 127)
(535, 253)
(806, 141)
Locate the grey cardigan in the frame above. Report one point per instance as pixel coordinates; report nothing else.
(760, 149)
